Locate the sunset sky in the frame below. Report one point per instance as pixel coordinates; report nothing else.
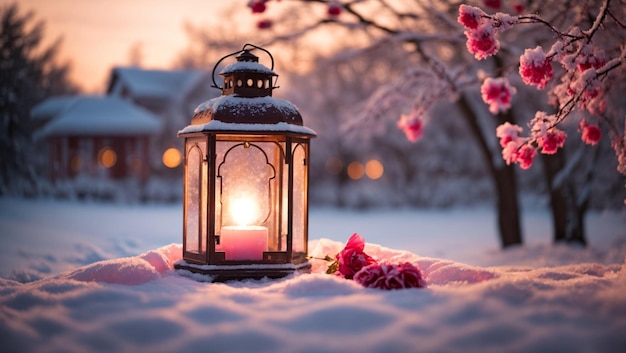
(99, 34)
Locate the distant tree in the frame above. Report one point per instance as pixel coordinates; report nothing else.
(28, 74)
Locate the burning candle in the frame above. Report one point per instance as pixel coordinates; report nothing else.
(244, 241)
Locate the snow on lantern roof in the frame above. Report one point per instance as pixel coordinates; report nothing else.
(233, 113)
(91, 115)
(142, 83)
(220, 126)
(249, 66)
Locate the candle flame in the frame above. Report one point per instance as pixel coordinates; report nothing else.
(244, 211)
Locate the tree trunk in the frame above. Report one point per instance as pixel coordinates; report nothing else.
(504, 179)
(568, 209)
(508, 206)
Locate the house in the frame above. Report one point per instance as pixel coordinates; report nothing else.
(171, 95)
(96, 136)
(129, 132)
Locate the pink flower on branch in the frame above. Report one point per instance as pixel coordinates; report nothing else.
(493, 4)
(469, 16)
(524, 155)
(497, 92)
(334, 9)
(482, 41)
(551, 141)
(257, 6)
(508, 132)
(591, 134)
(412, 126)
(535, 68)
(390, 276)
(264, 24)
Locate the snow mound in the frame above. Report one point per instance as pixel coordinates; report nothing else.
(140, 304)
(131, 270)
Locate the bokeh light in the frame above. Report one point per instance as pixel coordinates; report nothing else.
(172, 157)
(107, 157)
(374, 169)
(356, 170)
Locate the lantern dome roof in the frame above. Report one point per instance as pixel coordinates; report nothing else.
(247, 114)
(247, 66)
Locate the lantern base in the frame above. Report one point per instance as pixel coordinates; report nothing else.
(223, 273)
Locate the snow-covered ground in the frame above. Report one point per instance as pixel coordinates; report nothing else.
(99, 280)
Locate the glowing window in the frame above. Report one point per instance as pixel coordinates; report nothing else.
(171, 157)
(374, 169)
(239, 83)
(356, 170)
(107, 157)
(250, 82)
(259, 83)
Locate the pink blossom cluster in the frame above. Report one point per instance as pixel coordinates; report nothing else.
(582, 86)
(591, 133)
(497, 92)
(334, 9)
(411, 125)
(582, 83)
(353, 263)
(258, 7)
(535, 68)
(482, 29)
(515, 149)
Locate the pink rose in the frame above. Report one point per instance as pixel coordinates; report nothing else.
(352, 258)
(390, 276)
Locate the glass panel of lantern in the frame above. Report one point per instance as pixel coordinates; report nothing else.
(248, 187)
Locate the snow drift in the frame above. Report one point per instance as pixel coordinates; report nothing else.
(140, 304)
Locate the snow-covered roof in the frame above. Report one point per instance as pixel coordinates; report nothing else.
(51, 107)
(142, 83)
(92, 115)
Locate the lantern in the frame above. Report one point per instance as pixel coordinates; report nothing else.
(246, 155)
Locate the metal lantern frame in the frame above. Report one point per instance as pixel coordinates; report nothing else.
(250, 143)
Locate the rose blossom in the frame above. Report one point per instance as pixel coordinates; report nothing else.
(390, 276)
(535, 68)
(352, 258)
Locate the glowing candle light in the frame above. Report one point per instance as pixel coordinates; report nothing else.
(244, 241)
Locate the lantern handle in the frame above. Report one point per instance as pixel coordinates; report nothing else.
(235, 53)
